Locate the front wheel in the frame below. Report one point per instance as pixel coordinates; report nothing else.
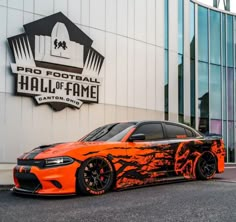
(206, 166)
(95, 176)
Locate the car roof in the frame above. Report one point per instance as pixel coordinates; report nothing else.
(161, 121)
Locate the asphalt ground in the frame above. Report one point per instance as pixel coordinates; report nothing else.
(213, 200)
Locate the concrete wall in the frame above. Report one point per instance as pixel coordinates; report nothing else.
(129, 33)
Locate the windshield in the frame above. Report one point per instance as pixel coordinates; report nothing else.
(111, 132)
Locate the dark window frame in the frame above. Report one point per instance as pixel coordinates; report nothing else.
(194, 135)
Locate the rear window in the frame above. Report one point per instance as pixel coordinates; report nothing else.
(174, 131)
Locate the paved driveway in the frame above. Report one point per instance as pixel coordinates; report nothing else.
(213, 200)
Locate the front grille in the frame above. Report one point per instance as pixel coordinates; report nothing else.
(28, 181)
(38, 163)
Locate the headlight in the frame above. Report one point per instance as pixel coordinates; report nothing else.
(58, 161)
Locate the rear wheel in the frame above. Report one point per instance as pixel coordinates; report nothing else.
(95, 176)
(206, 166)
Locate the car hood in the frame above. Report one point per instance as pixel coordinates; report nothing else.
(72, 149)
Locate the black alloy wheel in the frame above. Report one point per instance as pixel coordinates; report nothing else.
(206, 166)
(95, 176)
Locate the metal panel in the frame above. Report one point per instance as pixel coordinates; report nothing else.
(3, 46)
(121, 114)
(122, 83)
(173, 86)
(151, 21)
(28, 17)
(43, 9)
(85, 12)
(99, 44)
(131, 73)
(3, 2)
(12, 127)
(140, 80)
(111, 14)
(28, 5)
(140, 20)
(61, 6)
(96, 116)
(14, 27)
(18, 4)
(122, 15)
(160, 97)
(97, 14)
(131, 18)
(74, 10)
(2, 128)
(173, 61)
(151, 77)
(110, 69)
(187, 78)
(160, 23)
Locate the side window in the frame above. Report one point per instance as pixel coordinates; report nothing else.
(174, 131)
(189, 133)
(152, 131)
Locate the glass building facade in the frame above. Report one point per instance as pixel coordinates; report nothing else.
(164, 59)
(212, 48)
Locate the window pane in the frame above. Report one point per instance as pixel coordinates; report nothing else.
(152, 131)
(174, 131)
(231, 144)
(202, 34)
(235, 36)
(230, 41)
(224, 98)
(192, 67)
(230, 96)
(189, 132)
(203, 97)
(215, 37)
(224, 133)
(216, 126)
(215, 92)
(192, 30)
(223, 40)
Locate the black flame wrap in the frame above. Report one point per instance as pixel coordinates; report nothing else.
(148, 164)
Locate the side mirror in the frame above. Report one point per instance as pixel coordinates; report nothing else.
(136, 137)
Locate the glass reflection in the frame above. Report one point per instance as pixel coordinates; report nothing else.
(230, 55)
(203, 97)
(202, 34)
(215, 37)
(215, 92)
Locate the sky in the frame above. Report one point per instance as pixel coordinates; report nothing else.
(232, 4)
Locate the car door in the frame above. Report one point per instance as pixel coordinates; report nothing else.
(150, 155)
(180, 140)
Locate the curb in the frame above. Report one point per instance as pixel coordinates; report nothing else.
(5, 187)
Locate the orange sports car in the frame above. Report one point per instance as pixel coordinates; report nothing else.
(118, 156)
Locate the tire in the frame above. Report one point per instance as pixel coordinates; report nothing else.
(206, 166)
(95, 176)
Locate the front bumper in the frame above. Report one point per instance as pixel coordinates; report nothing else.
(60, 180)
